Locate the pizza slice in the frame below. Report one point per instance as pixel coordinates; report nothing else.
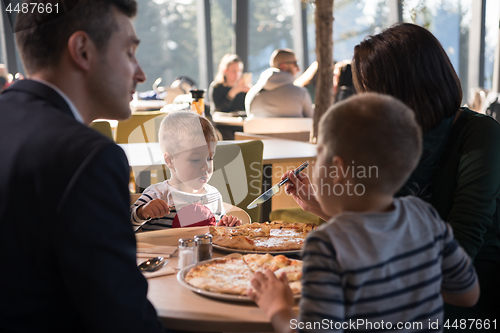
(227, 276)
(278, 264)
(243, 230)
(235, 242)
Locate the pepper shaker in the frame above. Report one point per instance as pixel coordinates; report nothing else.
(204, 244)
(188, 253)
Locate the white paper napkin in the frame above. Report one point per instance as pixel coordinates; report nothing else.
(162, 272)
(146, 250)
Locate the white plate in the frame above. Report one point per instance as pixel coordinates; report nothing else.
(227, 249)
(227, 297)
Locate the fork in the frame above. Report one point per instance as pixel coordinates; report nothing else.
(204, 200)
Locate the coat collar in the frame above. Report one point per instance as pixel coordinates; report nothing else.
(42, 91)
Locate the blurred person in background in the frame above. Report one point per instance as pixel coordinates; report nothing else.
(275, 94)
(228, 90)
(343, 87)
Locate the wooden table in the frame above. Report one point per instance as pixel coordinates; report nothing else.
(279, 156)
(222, 118)
(182, 309)
(287, 152)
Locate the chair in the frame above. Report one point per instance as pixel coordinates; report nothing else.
(140, 127)
(298, 129)
(103, 127)
(251, 136)
(237, 174)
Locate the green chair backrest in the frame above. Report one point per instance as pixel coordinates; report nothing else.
(238, 174)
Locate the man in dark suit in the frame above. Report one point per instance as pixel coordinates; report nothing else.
(67, 249)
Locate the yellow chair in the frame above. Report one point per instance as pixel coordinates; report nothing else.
(103, 127)
(140, 127)
(297, 129)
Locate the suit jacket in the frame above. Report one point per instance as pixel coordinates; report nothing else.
(67, 249)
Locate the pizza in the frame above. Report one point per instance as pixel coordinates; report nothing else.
(262, 237)
(232, 275)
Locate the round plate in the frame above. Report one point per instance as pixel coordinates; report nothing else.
(227, 297)
(227, 249)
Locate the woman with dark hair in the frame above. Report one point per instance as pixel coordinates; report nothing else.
(459, 170)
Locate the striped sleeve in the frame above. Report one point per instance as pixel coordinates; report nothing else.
(146, 197)
(459, 275)
(322, 299)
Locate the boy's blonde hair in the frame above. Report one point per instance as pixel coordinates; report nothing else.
(184, 130)
(373, 130)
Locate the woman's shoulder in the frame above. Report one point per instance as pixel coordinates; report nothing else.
(476, 119)
(216, 85)
(472, 124)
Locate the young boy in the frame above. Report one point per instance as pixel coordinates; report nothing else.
(188, 143)
(380, 263)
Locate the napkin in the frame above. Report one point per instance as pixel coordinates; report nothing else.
(162, 272)
(146, 250)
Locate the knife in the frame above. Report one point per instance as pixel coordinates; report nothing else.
(273, 190)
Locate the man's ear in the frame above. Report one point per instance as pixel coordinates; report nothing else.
(169, 160)
(81, 49)
(339, 164)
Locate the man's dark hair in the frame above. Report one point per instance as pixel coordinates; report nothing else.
(42, 37)
(406, 61)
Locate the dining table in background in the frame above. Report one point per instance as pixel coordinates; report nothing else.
(279, 156)
(182, 309)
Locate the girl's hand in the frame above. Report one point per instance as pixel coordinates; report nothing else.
(153, 209)
(229, 221)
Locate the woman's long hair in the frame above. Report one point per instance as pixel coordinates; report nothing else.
(406, 61)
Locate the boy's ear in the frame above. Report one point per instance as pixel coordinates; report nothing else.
(169, 160)
(339, 164)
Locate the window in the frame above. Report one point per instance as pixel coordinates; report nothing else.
(354, 20)
(169, 42)
(449, 21)
(270, 28)
(491, 40)
(222, 30)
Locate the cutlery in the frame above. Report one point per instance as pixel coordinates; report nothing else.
(153, 264)
(273, 190)
(204, 200)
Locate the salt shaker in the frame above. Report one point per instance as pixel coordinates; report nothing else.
(204, 243)
(188, 253)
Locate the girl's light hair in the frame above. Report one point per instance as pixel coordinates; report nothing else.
(185, 130)
(226, 60)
